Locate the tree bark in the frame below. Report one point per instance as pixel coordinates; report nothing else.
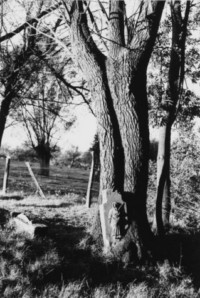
(44, 166)
(11, 89)
(44, 155)
(118, 86)
(19, 59)
(163, 202)
(4, 111)
(163, 196)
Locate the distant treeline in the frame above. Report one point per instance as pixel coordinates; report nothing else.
(72, 157)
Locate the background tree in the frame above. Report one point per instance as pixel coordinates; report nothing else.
(39, 40)
(73, 156)
(41, 109)
(14, 65)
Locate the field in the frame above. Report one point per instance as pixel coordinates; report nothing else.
(62, 180)
(65, 263)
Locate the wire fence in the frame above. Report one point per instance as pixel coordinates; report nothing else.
(61, 179)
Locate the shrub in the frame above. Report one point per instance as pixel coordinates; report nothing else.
(24, 154)
(185, 178)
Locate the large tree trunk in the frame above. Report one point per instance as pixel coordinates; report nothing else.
(118, 86)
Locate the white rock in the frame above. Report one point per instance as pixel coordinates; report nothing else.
(22, 224)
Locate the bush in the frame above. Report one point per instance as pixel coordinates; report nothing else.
(74, 158)
(185, 178)
(185, 181)
(23, 154)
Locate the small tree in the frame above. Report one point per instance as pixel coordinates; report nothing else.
(169, 97)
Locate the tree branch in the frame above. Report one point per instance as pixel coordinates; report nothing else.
(146, 32)
(96, 28)
(84, 47)
(177, 62)
(116, 27)
(183, 41)
(30, 22)
(61, 78)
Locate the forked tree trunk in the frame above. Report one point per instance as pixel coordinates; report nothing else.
(118, 86)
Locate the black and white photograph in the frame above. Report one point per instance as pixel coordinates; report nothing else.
(100, 148)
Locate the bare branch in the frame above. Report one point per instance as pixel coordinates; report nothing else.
(59, 76)
(93, 58)
(96, 28)
(103, 9)
(30, 22)
(146, 32)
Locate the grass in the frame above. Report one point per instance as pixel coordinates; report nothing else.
(62, 180)
(63, 264)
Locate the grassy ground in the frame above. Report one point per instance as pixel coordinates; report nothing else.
(62, 180)
(64, 264)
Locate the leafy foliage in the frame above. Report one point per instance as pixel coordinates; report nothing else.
(185, 178)
(188, 103)
(23, 154)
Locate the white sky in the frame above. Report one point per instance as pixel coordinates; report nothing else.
(82, 133)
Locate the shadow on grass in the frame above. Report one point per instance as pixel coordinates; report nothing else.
(181, 250)
(61, 205)
(79, 263)
(58, 258)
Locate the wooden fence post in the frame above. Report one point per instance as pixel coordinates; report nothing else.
(88, 196)
(35, 180)
(6, 175)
